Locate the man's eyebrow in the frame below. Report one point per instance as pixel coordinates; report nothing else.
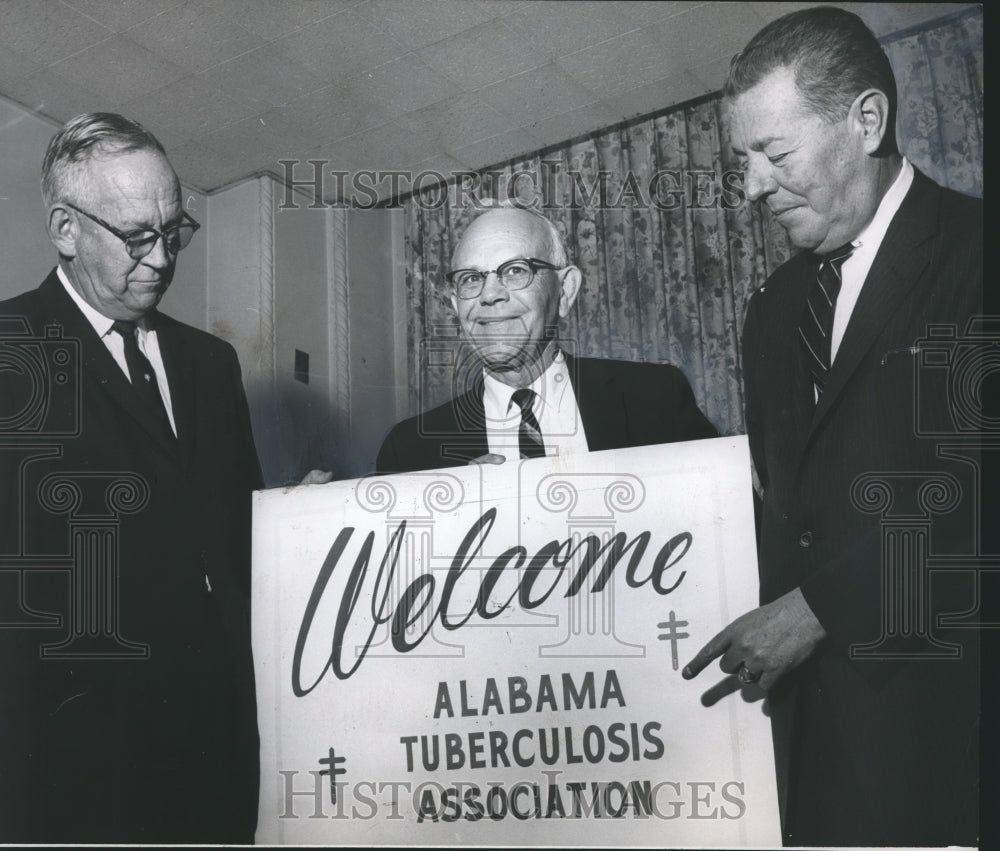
(759, 144)
(134, 224)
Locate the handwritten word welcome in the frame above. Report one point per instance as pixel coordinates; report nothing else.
(597, 561)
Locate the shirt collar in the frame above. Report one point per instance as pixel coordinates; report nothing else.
(549, 387)
(869, 240)
(102, 324)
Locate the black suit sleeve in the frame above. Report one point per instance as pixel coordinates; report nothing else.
(687, 421)
(388, 458)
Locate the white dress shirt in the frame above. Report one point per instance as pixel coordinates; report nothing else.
(554, 407)
(856, 267)
(148, 343)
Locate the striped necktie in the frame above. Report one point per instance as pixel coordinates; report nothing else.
(529, 434)
(816, 324)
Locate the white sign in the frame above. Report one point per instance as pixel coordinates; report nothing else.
(492, 655)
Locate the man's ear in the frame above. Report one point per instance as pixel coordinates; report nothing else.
(871, 114)
(63, 230)
(571, 280)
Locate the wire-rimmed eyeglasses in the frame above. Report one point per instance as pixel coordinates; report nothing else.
(140, 242)
(515, 274)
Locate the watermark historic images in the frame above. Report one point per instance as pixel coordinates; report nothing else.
(553, 186)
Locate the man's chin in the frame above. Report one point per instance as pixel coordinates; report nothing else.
(503, 359)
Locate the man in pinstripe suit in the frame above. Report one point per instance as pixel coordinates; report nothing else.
(875, 717)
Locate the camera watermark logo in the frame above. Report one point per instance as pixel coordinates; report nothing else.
(40, 414)
(952, 366)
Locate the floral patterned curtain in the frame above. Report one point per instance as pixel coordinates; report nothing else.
(652, 217)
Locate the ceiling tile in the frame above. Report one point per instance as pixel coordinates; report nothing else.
(563, 127)
(456, 122)
(701, 34)
(269, 19)
(187, 109)
(14, 65)
(712, 75)
(390, 146)
(554, 29)
(253, 141)
(401, 86)
(416, 25)
(328, 114)
(497, 149)
(481, 55)
(194, 36)
(339, 46)
(118, 68)
(263, 76)
(621, 63)
(202, 168)
(658, 96)
(50, 36)
(56, 97)
(120, 15)
(536, 94)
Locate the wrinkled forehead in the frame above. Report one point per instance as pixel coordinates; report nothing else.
(500, 235)
(133, 180)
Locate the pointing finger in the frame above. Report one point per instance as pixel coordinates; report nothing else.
(715, 648)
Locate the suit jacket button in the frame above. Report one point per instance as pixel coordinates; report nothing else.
(806, 539)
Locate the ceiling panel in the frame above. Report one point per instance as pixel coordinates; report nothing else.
(483, 55)
(119, 68)
(339, 46)
(263, 76)
(116, 15)
(271, 19)
(195, 36)
(232, 86)
(416, 25)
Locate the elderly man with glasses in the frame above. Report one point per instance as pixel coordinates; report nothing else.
(511, 281)
(127, 713)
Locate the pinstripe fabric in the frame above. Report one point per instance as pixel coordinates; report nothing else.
(817, 319)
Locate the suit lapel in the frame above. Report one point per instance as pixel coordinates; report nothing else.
(602, 407)
(894, 273)
(467, 440)
(182, 377)
(99, 366)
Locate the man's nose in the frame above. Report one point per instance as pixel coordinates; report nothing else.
(759, 180)
(159, 257)
(493, 289)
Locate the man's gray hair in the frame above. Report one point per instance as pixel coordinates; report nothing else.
(93, 135)
(557, 242)
(833, 55)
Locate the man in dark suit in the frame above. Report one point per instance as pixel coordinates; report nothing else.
(127, 713)
(873, 687)
(511, 281)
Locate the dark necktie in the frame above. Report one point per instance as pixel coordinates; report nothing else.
(816, 324)
(141, 373)
(529, 434)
